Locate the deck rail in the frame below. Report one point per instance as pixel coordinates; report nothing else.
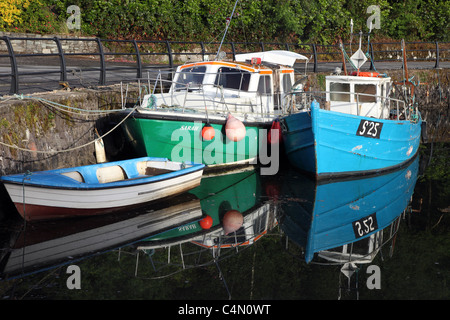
(392, 108)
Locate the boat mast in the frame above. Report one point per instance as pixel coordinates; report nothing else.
(226, 29)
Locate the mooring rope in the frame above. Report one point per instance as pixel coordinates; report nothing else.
(74, 148)
(56, 104)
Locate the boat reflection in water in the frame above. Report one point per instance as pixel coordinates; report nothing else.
(48, 244)
(238, 219)
(343, 222)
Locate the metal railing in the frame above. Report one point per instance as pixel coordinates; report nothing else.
(391, 108)
(319, 54)
(210, 98)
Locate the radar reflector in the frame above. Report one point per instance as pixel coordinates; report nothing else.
(358, 59)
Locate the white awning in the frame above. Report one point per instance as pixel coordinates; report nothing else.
(281, 57)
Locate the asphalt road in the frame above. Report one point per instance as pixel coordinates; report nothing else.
(86, 72)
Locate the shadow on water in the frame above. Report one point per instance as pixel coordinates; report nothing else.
(240, 235)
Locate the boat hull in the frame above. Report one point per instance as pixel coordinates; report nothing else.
(180, 139)
(46, 203)
(49, 194)
(332, 145)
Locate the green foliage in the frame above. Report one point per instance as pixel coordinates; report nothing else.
(419, 19)
(39, 19)
(317, 21)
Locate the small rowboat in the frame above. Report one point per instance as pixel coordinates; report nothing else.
(99, 188)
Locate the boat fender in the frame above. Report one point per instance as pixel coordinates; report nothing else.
(208, 132)
(234, 129)
(365, 74)
(232, 221)
(206, 222)
(277, 137)
(100, 154)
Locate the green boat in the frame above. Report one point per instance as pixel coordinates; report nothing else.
(215, 112)
(176, 137)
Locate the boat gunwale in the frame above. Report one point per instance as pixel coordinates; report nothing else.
(178, 116)
(84, 186)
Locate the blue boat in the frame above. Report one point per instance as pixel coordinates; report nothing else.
(336, 214)
(355, 127)
(345, 138)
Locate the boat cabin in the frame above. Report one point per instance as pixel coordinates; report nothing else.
(254, 83)
(364, 94)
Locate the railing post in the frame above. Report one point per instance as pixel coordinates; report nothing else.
(233, 49)
(102, 80)
(262, 45)
(14, 88)
(436, 66)
(315, 57)
(169, 53)
(138, 60)
(62, 60)
(203, 50)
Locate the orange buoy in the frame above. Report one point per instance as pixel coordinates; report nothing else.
(365, 74)
(208, 132)
(234, 129)
(206, 222)
(232, 221)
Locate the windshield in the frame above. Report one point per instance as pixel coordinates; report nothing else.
(190, 76)
(230, 78)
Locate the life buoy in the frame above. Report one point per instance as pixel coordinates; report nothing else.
(365, 74)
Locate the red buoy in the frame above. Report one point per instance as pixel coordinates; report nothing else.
(277, 136)
(206, 222)
(208, 132)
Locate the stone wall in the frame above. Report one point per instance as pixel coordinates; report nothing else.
(36, 44)
(47, 131)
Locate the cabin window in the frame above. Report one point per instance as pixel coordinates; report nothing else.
(369, 92)
(230, 78)
(264, 86)
(192, 76)
(287, 83)
(340, 91)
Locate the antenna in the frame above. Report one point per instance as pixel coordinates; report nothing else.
(368, 36)
(351, 34)
(226, 29)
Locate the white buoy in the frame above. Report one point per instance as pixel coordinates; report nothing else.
(100, 153)
(234, 129)
(232, 221)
